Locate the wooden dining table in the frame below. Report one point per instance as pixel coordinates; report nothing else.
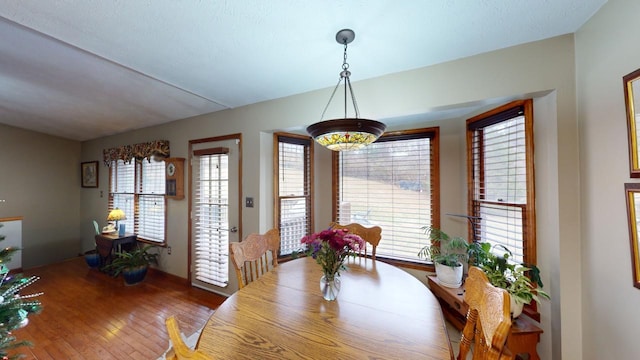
(381, 312)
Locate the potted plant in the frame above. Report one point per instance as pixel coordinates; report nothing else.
(92, 258)
(478, 252)
(133, 264)
(512, 277)
(448, 254)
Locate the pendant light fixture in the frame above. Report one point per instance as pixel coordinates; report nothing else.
(345, 133)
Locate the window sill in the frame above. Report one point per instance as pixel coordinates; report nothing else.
(155, 243)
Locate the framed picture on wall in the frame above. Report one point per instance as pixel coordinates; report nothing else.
(631, 84)
(632, 191)
(89, 174)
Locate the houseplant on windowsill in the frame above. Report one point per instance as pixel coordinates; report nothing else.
(448, 254)
(133, 264)
(511, 276)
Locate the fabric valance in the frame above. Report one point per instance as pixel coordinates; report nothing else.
(139, 152)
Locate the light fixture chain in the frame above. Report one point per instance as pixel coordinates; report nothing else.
(345, 64)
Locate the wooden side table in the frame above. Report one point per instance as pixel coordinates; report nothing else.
(524, 336)
(106, 244)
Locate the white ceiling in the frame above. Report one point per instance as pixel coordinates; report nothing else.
(83, 69)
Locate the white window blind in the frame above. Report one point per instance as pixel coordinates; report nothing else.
(294, 191)
(151, 202)
(500, 190)
(392, 183)
(122, 191)
(138, 189)
(211, 198)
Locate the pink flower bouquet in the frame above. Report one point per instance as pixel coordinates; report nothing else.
(331, 247)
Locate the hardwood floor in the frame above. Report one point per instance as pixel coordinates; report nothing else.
(90, 315)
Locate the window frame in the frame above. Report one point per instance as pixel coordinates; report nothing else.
(529, 213)
(137, 195)
(529, 224)
(308, 143)
(434, 134)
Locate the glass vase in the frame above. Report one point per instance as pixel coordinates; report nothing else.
(329, 288)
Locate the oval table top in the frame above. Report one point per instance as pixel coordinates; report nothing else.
(381, 312)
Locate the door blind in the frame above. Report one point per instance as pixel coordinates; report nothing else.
(211, 198)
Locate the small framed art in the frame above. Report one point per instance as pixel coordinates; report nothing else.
(89, 174)
(632, 191)
(631, 84)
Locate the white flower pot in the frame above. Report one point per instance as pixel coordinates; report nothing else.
(449, 276)
(516, 307)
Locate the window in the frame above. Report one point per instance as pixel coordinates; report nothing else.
(293, 189)
(392, 183)
(501, 178)
(138, 189)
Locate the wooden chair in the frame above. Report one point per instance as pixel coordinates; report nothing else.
(372, 235)
(488, 319)
(251, 256)
(180, 350)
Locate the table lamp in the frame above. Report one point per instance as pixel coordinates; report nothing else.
(116, 215)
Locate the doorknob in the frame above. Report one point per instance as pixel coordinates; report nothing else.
(233, 229)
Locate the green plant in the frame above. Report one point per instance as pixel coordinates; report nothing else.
(138, 257)
(443, 249)
(511, 276)
(478, 252)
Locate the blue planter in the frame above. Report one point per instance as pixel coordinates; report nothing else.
(134, 275)
(92, 258)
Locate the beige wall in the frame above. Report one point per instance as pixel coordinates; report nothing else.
(40, 180)
(606, 50)
(542, 69)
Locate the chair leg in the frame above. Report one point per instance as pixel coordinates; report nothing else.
(171, 355)
(468, 334)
